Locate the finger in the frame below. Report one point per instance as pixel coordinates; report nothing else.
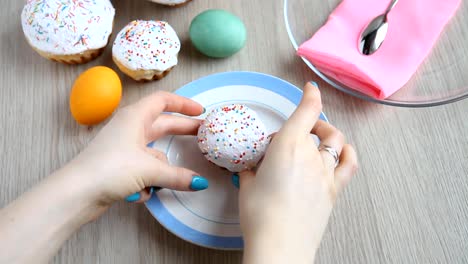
(307, 113)
(246, 178)
(145, 195)
(331, 137)
(272, 136)
(347, 167)
(151, 106)
(157, 154)
(168, 102)
(175, 178)
(140, 197)
(172, 125)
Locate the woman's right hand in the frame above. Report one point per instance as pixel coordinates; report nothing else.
(286, 203)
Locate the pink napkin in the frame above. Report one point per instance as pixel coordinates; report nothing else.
(414, 26)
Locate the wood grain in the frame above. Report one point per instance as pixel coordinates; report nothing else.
(408, 203)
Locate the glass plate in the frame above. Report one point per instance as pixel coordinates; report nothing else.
(441, 79)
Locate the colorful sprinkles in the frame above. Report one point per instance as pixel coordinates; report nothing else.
(147, 45)
(233, 137)
(67, 26)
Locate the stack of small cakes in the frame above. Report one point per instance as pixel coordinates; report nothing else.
(68, 31)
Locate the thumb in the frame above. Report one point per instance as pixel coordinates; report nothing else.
(243, 178)
(171, 177)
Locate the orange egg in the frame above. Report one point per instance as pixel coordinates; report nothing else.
(95, 95)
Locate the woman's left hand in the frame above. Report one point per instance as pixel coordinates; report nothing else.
(118, 164)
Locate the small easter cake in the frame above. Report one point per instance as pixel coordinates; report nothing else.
(68, 31)
(233, 137)
(146, 50)
(172, 3)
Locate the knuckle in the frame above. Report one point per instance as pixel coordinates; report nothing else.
(313, 103)
(286, 142)
(177, 175)
(354, 167)
(156, 97)
(141, 182)
(293, 148)
(162, 94)
(339, 135)
(180, 179)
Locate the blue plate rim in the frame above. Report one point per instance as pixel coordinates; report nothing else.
(261, 80)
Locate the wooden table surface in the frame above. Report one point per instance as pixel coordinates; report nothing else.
(408, 203)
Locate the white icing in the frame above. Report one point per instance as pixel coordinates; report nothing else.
(147, 45)
(169, 2)
(233, 137)
(67, 27)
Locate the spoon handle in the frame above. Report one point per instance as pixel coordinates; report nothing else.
(391, 6)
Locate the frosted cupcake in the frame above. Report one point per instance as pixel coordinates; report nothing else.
(233, 137)
(146, 50)
(172, 3)
(68, 31)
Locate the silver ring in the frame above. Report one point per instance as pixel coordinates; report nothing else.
(332, 152)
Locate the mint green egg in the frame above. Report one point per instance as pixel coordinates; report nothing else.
(217, 33)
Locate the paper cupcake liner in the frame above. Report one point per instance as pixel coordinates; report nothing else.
(175, 6)
(181, 4)
(142, 75)
(81, 58)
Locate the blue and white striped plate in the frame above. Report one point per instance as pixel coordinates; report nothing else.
(210, 218)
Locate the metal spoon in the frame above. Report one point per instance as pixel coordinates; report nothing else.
(374, 34)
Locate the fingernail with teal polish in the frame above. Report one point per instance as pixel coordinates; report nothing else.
(133, 198)
(198, 183)
(235, 180)
(314, 84)
(204, 110)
